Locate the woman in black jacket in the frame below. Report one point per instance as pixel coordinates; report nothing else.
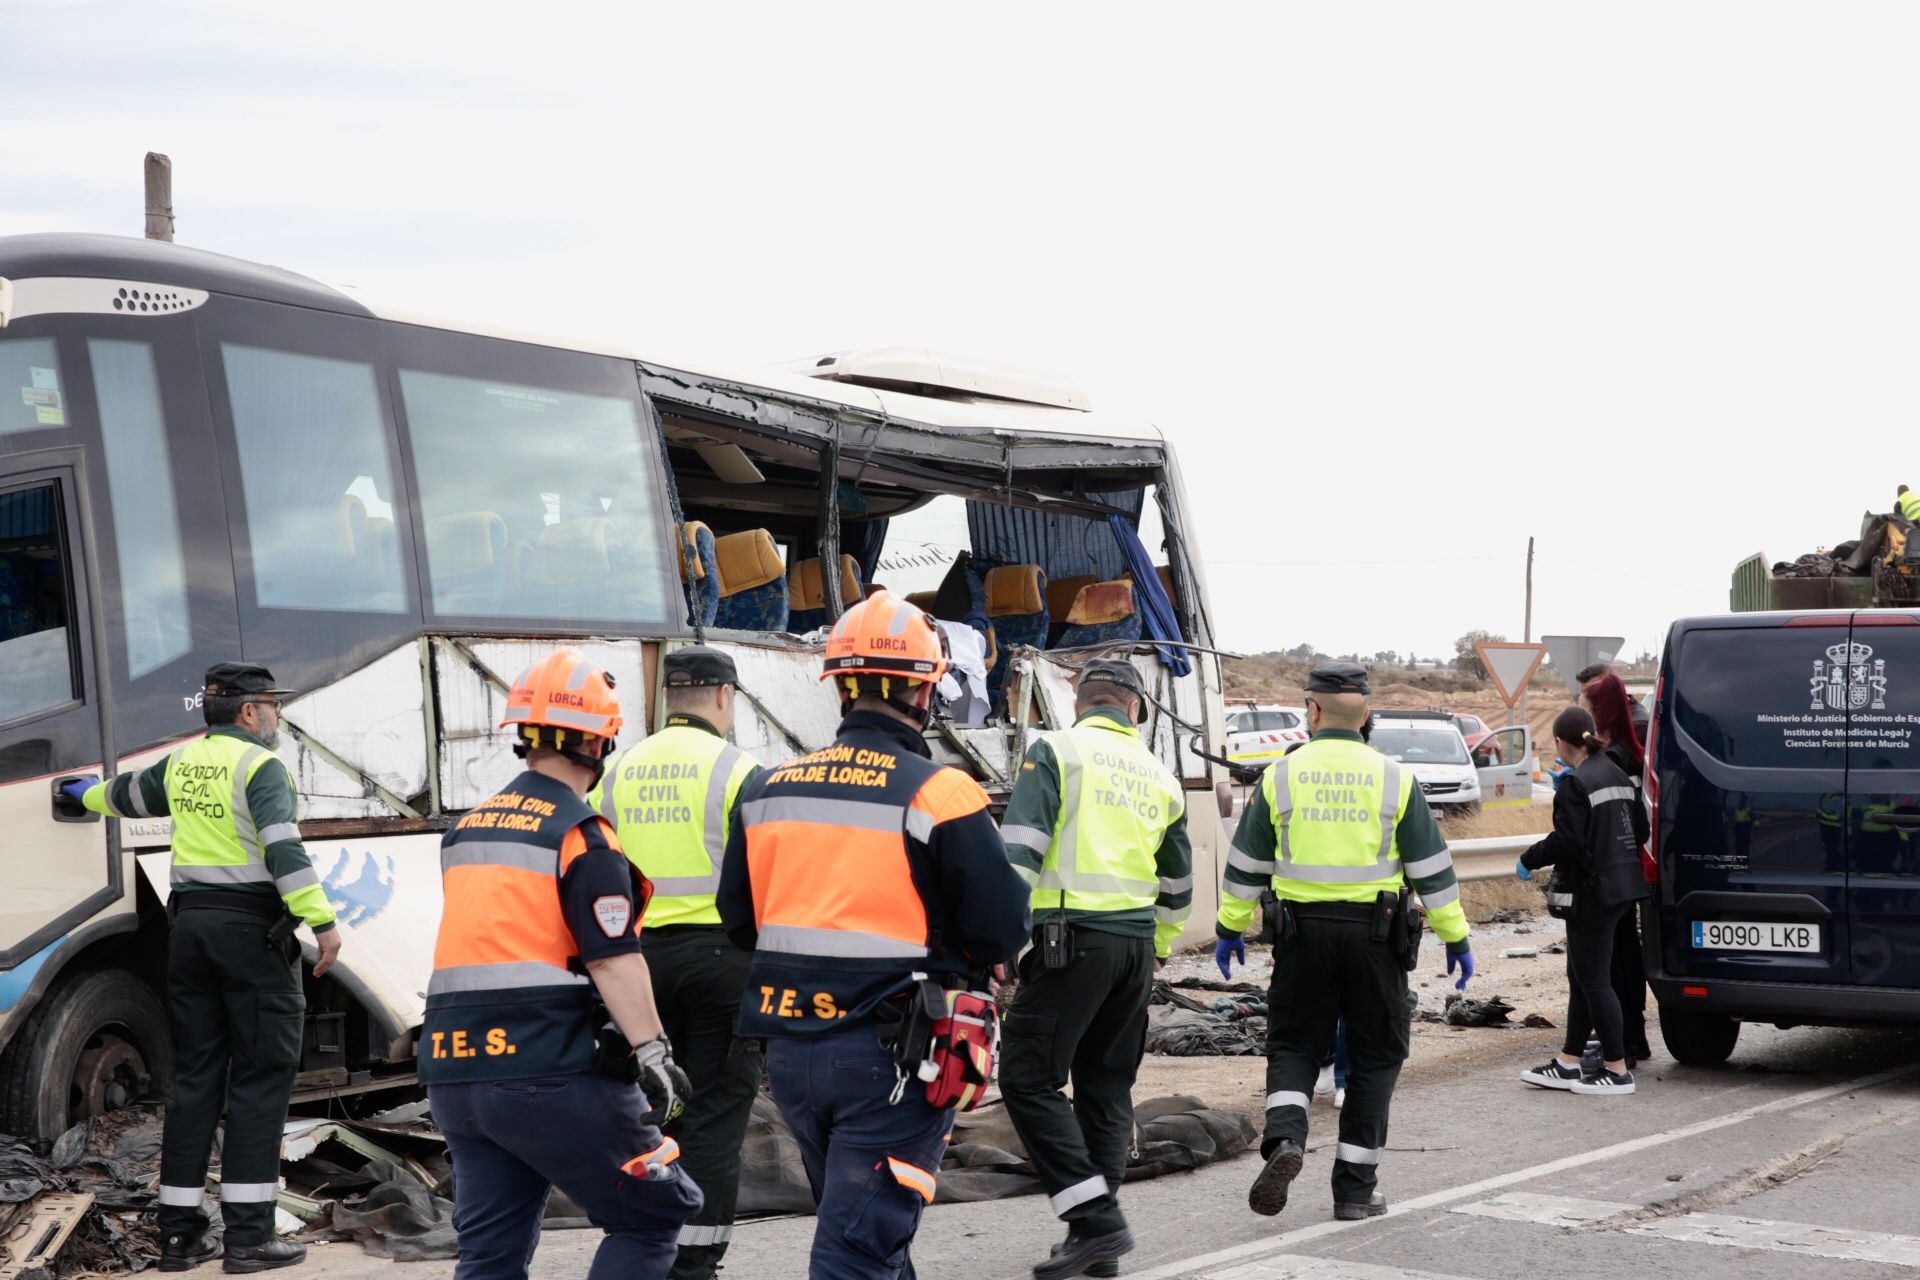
(1606, 697)
(1594, 850)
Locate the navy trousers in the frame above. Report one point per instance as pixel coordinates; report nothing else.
(871, 1163)
(513, 1140)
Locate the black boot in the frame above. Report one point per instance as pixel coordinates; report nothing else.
(264, 1257)
(1354, 1212)
(184, 1252)
(1268, 1194)
(1078, 1255)
(1099, 1270)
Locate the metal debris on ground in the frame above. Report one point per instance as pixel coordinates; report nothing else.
(1518, 953)
(1538, 1021)
(85, 1206)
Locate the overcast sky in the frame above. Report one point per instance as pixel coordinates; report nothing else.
(1403, 284)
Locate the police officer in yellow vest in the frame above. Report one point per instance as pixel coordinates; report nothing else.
(1907, 503)
(672, 798)
(1337, 831)
(1097, 825)
(241, 880)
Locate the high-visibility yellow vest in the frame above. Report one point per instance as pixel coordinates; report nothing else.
(1116, 802)
(669, 796)
(215, 839)
(1910, 505)
(1335, 805)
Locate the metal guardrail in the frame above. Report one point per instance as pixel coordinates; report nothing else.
(1488, 858)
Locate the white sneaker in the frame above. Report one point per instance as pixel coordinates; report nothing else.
(1339, 1099)
(1604, 1082)
(1324, 1085)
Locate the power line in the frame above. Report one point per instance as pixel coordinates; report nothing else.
(1636, 577)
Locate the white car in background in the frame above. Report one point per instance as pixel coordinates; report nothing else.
(1429, 743)
(1259, 734)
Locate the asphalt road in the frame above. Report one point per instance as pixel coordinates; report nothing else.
(1794, 1161)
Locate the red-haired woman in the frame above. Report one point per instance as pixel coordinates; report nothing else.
(1606, 697)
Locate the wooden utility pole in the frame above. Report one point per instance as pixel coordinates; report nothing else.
(1526, 633)
(159, 197)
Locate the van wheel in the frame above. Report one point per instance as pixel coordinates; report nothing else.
(1695, 1038)
(98, 1042)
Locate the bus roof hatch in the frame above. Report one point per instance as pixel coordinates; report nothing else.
(942, 374)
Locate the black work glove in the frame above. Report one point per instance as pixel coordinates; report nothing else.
(664, 1083)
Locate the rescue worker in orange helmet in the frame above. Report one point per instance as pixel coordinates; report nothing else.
(541, 1051)
(851, 871)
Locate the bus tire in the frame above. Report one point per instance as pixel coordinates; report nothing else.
(1697, 1038)
(98, 1041)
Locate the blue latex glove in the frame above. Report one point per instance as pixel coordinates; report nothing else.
(1224, 948)
(1465, 961)
(1560, 772)
(1520, 869)
(78, 788)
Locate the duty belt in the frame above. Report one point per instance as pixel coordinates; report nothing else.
(254, 904)
(1355, 912)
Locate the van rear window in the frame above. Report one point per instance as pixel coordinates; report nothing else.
(1748, 697)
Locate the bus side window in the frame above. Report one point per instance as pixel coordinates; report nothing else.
(146, 524)
(538, 502)
(314, 472)
(36, 663)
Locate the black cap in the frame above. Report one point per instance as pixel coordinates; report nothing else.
(697, 664)
(1338, 677)
(1114, 671)
(237, 679)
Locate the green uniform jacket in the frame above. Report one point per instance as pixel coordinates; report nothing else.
(1417, 843)
(1033, 819)
(275, 809)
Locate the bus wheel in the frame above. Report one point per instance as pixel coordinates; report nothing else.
(98, 1042)
(1696, 1038)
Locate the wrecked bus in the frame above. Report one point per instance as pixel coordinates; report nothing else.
(202, 457)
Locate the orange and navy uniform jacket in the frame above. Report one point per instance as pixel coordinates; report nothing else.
(535, 886)
(853, 868)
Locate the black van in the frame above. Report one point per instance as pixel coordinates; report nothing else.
(1785, 790)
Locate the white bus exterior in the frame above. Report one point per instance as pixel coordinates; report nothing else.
(204, 459)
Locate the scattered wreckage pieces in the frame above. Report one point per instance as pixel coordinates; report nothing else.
(1465, 1011)
(34, 1242)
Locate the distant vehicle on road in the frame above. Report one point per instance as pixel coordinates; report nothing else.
(1430, 744)
(1471, 727)
(1785, 795)
(1260, 733)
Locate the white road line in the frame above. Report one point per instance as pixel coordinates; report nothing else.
(1548, 1211)
(1279, 1244)
(1300, 1267)
(1800, 1239)
(1786, 1237)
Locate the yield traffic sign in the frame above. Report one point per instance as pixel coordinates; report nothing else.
(1510, 665)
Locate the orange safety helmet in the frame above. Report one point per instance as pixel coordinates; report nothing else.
(883, 635)
(564, 692)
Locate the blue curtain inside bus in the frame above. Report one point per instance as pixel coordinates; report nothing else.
(1156, 611)
(1063, 545)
